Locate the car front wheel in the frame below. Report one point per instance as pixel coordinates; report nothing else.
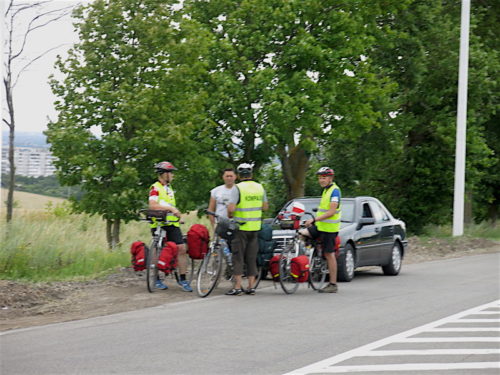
(346, 264)
(394, 266)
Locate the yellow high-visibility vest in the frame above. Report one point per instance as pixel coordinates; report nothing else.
(166, 198)
(249, 209)
(332, 223)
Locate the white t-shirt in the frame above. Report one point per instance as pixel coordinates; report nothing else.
(222, 196)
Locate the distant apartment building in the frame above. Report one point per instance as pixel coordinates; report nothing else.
(29, 161)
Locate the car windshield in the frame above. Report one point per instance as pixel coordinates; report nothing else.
(310, 204)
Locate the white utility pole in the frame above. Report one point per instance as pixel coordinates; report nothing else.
(458, 201)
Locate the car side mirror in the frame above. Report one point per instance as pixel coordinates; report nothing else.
(365, 221)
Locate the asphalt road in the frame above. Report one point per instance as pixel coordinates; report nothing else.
(269, 333)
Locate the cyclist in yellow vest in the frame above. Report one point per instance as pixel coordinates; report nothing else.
(327, 223)
(162, 197)
(246, 206)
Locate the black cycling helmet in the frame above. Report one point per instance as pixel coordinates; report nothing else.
(245, 169)
(164, 166)
(325, 171)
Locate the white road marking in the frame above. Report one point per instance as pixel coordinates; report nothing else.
(369, 350)
(412, 367)
(450, 339)
(478, 329)
(386, 353)
(478, 321)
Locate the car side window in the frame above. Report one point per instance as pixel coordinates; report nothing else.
(367, 212)
(377, 212)
(383, 212)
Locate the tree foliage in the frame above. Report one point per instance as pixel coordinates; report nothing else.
(286, 75)
(126, 101)
(409, 161)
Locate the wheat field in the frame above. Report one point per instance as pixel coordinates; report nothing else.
(45, 241)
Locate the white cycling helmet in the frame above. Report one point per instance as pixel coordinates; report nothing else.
(245, 169)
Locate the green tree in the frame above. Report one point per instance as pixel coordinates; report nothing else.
(127, 100)
(409, 161)
(285, 76)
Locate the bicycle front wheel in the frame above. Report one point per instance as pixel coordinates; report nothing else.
(318, 270)
(258, 277)
(288, 283)
(209, 271)
(151, 266)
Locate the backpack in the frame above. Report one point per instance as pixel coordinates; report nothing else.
(266, 244)
(167, 261)
(197, 241)
(274, 267)
(138, 256)
(299, 268)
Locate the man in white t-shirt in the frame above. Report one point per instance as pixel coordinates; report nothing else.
(219, 200)
(220, 195)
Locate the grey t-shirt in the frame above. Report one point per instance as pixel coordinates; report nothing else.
(222, 196)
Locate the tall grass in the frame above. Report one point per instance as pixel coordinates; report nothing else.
(52, 244)
(485, 230)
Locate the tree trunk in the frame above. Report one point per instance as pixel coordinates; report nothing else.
(468, 208)
(295, 164)
(12, 126)
(109, 224)
(116, 233)
(113, 233)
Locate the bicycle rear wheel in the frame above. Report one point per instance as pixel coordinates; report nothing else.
(288, 283)
(151, 266)
(209, 271)
(318, 269)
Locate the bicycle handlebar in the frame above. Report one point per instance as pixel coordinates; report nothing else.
(228, 218)
(158, 214)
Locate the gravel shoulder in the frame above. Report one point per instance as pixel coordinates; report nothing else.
(32, 304)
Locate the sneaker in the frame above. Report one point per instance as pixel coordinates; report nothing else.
(234, 292)
(159, 285)
(250, 291)
(330, 288)
(185, 286)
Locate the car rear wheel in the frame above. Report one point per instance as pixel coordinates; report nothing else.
(393, 268)
(346, 264)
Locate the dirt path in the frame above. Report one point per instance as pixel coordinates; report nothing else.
(32, 304)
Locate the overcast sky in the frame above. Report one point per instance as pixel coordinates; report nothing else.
(32, 96)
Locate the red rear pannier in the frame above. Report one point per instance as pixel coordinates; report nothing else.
(299, 268)
(138, 256)
(167, 261)
(197, 241)
(274, 267)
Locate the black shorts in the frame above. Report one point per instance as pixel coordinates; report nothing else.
(328, 241)
(327, 238)
(174, 234)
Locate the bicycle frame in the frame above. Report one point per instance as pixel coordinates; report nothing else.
(153, 251)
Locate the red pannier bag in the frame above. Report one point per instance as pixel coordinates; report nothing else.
(274, 267)
(197, 241)
(138, 256)
(299, 268)
(167, 261)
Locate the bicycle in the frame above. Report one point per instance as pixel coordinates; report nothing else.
(300, 245)
(152, 252)
(210, 270)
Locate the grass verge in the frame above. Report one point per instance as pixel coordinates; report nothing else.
(52, 244)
